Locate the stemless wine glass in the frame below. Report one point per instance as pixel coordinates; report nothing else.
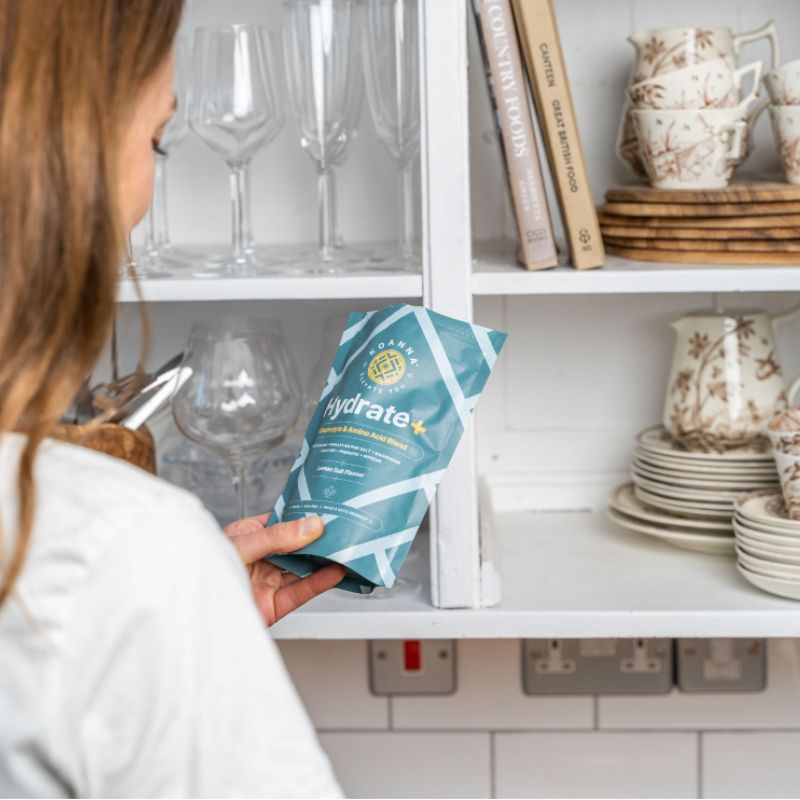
(234, 107)
(321, 49)
(242, 398)
(159, 258)
(391, 67)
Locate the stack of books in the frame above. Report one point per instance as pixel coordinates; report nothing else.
(509, 30)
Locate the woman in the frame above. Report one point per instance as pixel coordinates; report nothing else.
(133, 660)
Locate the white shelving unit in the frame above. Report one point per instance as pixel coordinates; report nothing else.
(563, 571)
(571, 574)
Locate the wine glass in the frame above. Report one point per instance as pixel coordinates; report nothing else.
(391, 67)
(234, 107)
(242, 398)
(159, 258)
(321, 51)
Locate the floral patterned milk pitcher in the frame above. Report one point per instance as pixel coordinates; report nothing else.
(726, 381)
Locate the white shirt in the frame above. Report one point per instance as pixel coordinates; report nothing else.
(133, 661)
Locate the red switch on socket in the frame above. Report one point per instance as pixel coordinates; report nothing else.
(412, 655)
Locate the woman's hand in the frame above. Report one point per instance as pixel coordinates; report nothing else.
(277, 592)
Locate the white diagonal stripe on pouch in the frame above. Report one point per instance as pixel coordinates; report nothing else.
(390, 320)
(302, 485)
(279, 505)
(395, 489)
(385, 568)
(443, 363)
(372, 546)
(485, 343)
(350, 332)
(301, 459)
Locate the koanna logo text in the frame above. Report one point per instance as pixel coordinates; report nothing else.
(388, 367)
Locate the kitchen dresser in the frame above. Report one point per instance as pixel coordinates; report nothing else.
(517, 544)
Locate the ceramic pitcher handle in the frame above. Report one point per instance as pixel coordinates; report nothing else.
(755, 68)
(767, 31)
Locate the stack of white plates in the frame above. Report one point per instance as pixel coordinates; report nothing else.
(697, 485)
(768, 543)
(704, 535)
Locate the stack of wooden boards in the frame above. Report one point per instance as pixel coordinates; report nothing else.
(744, 223)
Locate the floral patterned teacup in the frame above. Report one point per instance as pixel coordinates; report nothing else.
(695, 149)
(712, 84)
(783, 431)
(788, 467)
(786, 128)
(783, 84)
(726, 381)
(664, 50)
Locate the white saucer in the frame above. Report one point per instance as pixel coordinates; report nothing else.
(779, 539)
(767, 507)
(698, 542)
(783, 588)
(685, 508)
(624, 500)
(769, 553)
(658, 441)
(765, 566)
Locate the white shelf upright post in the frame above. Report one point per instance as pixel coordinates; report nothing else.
(447, 268)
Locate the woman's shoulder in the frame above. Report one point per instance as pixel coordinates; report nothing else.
(97, 517)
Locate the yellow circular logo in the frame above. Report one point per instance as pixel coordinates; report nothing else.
(387, 367)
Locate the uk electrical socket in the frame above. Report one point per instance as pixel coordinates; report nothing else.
(597, 666)
(723, 665)
(412, 666)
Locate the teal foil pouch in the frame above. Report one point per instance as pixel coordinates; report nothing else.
(402, 388)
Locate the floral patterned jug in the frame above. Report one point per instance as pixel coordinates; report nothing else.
(726, 381)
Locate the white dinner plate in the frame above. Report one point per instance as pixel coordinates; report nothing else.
(734, 469)
(698, 542)
(676, 478)
(716, 496)
(624, 500)
(658, 441)
(683, 465)
(788, 589)
(685, 508)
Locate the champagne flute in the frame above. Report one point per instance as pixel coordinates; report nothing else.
(321, 50)
(391, 67)
(234, 108)
(242, 398)
(159, 258)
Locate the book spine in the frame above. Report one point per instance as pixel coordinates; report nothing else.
(505, 79)
(538, 32)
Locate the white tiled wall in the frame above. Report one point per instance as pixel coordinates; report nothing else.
(491, 740)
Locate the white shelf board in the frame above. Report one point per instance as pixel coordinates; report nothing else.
(571, 575)
(356, 283)
(278, 287)
(495, 272)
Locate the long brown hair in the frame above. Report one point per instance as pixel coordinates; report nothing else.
(70, 73)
